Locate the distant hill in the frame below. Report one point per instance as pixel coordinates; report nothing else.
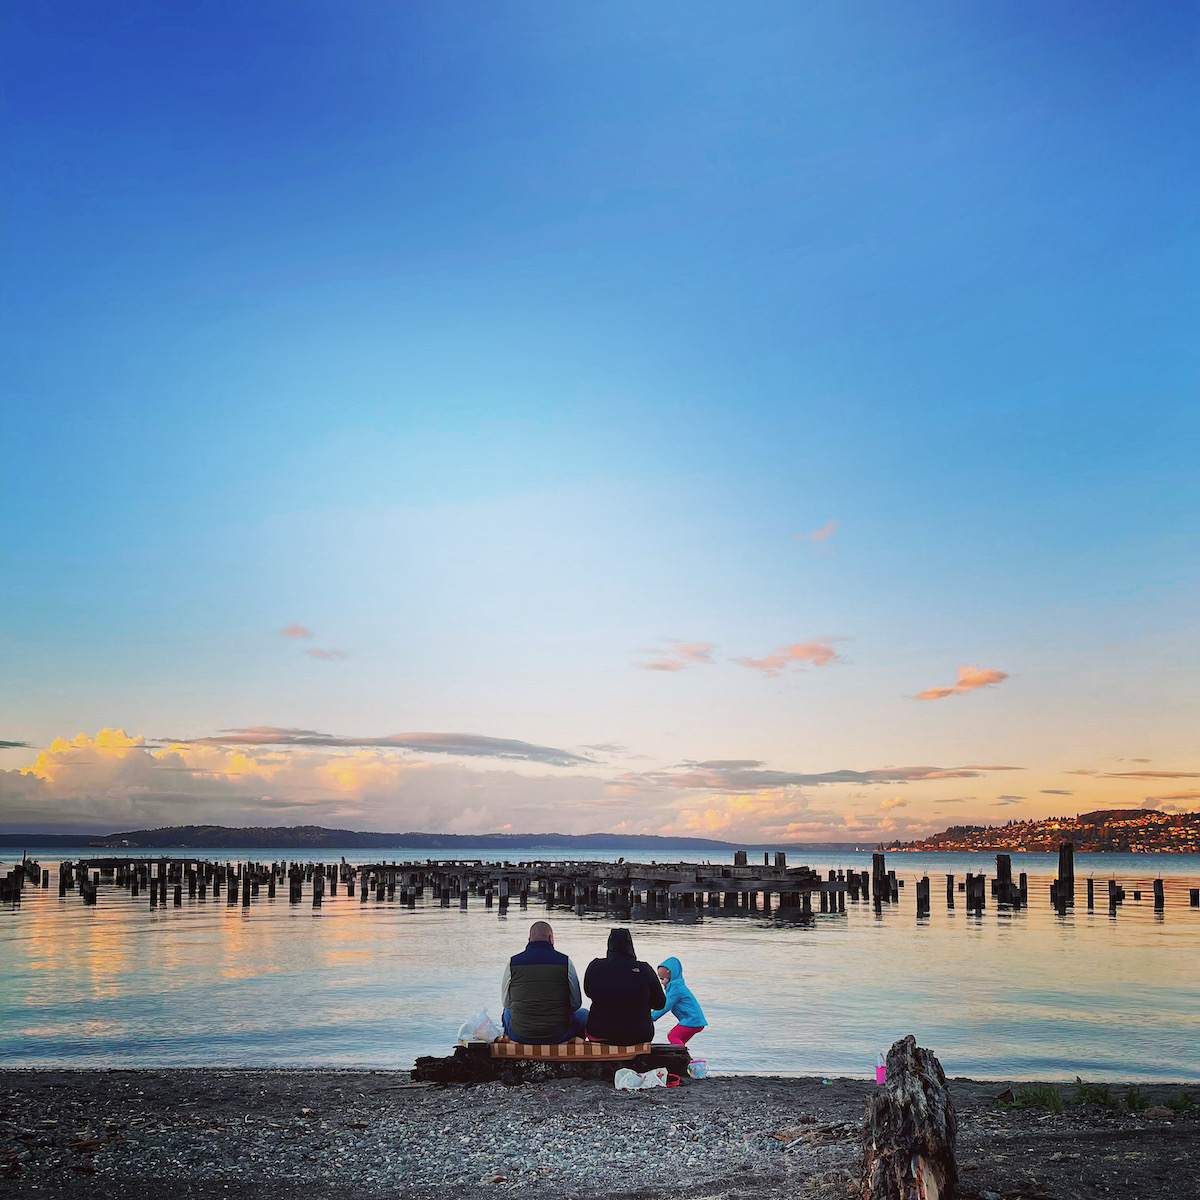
(316, 837)
(1111, 830)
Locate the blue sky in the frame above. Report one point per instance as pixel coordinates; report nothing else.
(495, 345)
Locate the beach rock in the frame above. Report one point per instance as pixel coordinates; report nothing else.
(1159, 1112)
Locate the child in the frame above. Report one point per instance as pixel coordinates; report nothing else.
(680, 1003)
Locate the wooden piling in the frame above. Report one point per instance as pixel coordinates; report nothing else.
(880, 887)
(949, 891)
(1159, 899)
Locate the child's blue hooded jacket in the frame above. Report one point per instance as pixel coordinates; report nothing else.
(680, 1001)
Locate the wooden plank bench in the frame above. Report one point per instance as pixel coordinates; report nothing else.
(575, 1050)
(513, 1063)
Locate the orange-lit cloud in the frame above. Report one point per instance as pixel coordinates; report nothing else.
(820, 535)
(817, 652)
(674, 655)
(969, 678)
(295, 630)
(326, 655)
(1152, 775)
(893, 802)
(1056, 792)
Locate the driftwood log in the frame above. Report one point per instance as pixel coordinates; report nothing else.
(474, 1064)
(909, 1130)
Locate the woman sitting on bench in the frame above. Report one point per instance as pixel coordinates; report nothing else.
(623, 993)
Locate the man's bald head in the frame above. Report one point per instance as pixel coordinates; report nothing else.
(540, 931)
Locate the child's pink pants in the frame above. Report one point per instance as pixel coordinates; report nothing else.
(682, 1034)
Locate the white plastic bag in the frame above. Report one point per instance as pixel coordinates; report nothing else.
(629, 1081)
(480, 1028)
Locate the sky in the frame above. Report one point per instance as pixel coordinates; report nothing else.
(772, 422)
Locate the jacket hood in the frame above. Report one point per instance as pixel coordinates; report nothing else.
(620, 944)
(675, 967)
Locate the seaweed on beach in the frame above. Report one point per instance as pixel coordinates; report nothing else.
(1098, 1094)
(1035, 1095)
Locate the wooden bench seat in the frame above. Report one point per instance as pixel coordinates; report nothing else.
(576, 1050)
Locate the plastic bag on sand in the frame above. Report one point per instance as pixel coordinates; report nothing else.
(629, 1081)
(480, 1028)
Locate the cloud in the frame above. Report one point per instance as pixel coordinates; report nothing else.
(737, 775)
(297, 631)
(818, 652)
(893, 802)
(326, 655)
(820, 535)
(1085, 771)
(954, 800)
(470, 745)
(15, 746)
(674, 655)
(112, 780)
(1152, 775)
(267, 775)
(969, 678)
(1056, 792)
(1177, 796)
(1003, 800)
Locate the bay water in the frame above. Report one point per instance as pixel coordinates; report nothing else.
(1014, 995)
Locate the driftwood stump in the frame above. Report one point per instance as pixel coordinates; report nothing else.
(909, 1130)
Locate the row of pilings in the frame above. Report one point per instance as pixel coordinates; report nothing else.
(675, 890)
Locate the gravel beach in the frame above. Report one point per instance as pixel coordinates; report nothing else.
(227, 1133)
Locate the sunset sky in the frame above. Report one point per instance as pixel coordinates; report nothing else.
(768, 421)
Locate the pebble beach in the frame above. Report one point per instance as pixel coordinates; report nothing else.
(230, 1133)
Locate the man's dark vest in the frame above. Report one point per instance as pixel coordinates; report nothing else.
(539, 992)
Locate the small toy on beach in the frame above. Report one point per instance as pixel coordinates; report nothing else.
(698, 1068)
(880, 1070)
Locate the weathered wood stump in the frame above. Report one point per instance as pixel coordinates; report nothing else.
(909, 1130)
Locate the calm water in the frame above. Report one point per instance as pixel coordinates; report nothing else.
(1014, 995)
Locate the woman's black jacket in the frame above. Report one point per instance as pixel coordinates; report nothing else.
(622, 991)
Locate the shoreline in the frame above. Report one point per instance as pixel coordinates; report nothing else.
(226, 1132)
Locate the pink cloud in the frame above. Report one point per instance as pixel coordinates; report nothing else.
(816, 651)
(820, 535)
(325, 655)
(969, 678)
(674, 655)
(297, 631)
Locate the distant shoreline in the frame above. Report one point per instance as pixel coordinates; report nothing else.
(316, 837)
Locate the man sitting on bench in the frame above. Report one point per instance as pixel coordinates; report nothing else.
(540, 994)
